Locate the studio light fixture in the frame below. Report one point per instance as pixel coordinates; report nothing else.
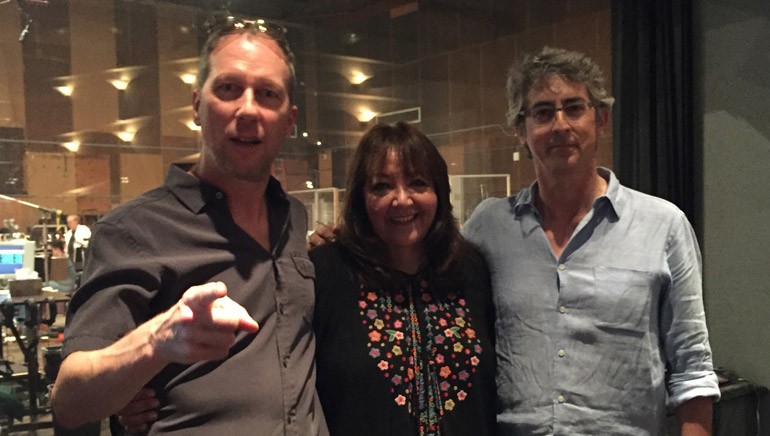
(72, 146)
(188, 78)
(119, 84)
(126, 135)
(192, 126)
(365, 114)
(358, 77)
(65, 90)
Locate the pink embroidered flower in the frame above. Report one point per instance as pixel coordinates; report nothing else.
(362, 304)
(439, 339)
(399, 335)
(442, 322)
(439, 358)
(396, 379)
(374, 353)
(371, 296)
(470, 333)
(374, 336)
(461, 395)
(383, 365)
(461, 301)
(371, 314)
(463, 375)
(426, 297)
(397, 324)
(474, 361)
(400, 400)
(444, 385)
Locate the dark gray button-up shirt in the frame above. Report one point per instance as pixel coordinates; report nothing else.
(145, 254)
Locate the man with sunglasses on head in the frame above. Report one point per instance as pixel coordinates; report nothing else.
(597, 287)
(201, 290)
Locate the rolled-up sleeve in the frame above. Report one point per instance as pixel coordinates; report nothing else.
(683, 330)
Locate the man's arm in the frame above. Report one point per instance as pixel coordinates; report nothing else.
(692, 383)
(695, 416)
(92, 385)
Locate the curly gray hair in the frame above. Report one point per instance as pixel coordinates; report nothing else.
(571, 65)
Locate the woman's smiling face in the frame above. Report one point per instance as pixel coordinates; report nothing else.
(401, 207)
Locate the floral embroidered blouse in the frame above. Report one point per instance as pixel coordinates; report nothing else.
(409, 361)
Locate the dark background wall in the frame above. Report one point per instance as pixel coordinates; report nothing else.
(734, 74)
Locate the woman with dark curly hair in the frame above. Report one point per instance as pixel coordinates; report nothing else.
(404, 320)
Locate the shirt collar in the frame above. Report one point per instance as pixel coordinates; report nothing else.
(195, 194)
(525, 201)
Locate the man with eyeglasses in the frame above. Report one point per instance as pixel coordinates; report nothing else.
(597, 287)
(201, 290)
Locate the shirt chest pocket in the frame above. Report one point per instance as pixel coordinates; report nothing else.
(622, 300)
(296, 294)
(303, 266)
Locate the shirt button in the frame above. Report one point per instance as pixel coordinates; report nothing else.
(562, 267)
(561, 399)
(219, 195)
(562, 353)
(562, 309)
(286, 362)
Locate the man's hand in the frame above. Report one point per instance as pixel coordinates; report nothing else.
(92, 385)
(142, 411)
(200, 326)
(321, 235)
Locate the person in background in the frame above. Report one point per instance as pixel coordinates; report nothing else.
(404, 316)
(201, 290)
(597, 287)
(76, 239)
(67, 284)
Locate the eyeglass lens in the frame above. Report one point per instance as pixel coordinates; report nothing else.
(546, 113)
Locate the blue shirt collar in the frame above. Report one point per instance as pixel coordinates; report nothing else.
(614, 196)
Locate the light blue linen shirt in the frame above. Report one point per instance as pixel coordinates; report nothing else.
(591, 343)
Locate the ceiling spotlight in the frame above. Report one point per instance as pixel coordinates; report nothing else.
(191, 125)
(72, 146)
(357, 77)
(188, 78)
(365, 115)
(65, 90)
(119, 84)
(126, 135)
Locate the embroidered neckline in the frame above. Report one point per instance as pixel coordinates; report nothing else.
(425, 347)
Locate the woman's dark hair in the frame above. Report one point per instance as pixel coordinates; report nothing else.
(444, 246)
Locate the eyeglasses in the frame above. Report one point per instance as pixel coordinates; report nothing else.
(225, 23)
(546, 113)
